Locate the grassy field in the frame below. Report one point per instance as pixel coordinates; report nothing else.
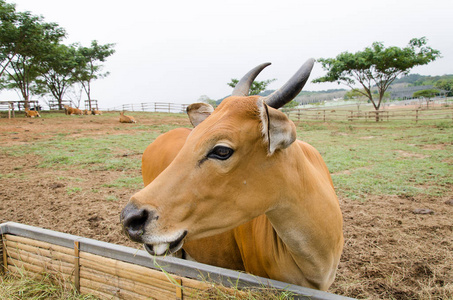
(381, 171)
(392, 158)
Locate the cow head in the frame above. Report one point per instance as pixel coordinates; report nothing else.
(225, 174)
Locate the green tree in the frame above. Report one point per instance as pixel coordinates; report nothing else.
(445, 84)
(57, 71)
(89, 67)
(426, 94)
(8, 34)
(256, 87)
(30, 40)
(376, 66)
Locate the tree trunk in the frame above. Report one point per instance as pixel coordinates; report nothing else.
(377, 114)
(26, 104)
(376, 107)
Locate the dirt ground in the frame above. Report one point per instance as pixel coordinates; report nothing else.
(390, 251)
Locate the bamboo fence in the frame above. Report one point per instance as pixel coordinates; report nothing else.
(111, 271)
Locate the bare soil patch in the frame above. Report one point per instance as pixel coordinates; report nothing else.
(390, 251)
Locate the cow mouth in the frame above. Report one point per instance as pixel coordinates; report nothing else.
(167, 248)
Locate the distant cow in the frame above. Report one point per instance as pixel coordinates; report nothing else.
(126, 119)
(72, 111)
(96, 112)
(87, 112)
(32, 113)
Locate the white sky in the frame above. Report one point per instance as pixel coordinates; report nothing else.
(177, 50)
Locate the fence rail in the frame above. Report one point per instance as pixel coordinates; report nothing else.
(7, 106)
(416, 115)
(156, 107)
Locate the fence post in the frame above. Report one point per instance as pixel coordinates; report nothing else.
(324, 118)
(77, 266)
(143, 106)
(4, 258)
(169, 109)
(416, 116)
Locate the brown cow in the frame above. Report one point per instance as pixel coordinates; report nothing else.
(72, 111)
(126, 119)
(240, 183)
(31, 113)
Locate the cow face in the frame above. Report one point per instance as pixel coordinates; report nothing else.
(225, 175)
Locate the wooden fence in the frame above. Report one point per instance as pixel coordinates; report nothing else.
(116, 272)
(9, 106)
(415, 115)
(156, 107)
(53, 104)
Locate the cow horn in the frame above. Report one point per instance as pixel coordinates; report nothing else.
(243, 86)
(292, 88)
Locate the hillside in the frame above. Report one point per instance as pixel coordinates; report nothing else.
(401, 88)
(418, 80)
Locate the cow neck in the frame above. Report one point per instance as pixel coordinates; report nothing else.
(308, 220)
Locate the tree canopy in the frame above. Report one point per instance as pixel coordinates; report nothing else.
(445, 84)
(33, 39)
(429, 93)
(56, 70)
(376, 66)
(33, 58)
(426, 94)
(89, 67)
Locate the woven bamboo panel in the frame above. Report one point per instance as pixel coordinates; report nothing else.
(135, 280)
(103, 277)
(112, 271)
(34, 258)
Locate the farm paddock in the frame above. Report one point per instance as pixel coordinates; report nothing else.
(390, 251)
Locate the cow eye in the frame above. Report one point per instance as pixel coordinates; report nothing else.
(220, 152)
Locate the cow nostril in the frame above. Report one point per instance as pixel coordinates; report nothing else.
(137, 222)
(134, 223)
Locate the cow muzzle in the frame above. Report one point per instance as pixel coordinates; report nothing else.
(135, 222)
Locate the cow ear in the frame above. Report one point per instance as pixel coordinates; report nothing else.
(278, 131)
(198, 112)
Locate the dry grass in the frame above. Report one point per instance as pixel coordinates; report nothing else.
(21, 286)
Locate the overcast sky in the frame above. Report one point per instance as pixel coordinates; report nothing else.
(176, 51)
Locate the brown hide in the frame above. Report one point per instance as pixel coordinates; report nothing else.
(72, 111)
(32, 113)
(126, 119)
